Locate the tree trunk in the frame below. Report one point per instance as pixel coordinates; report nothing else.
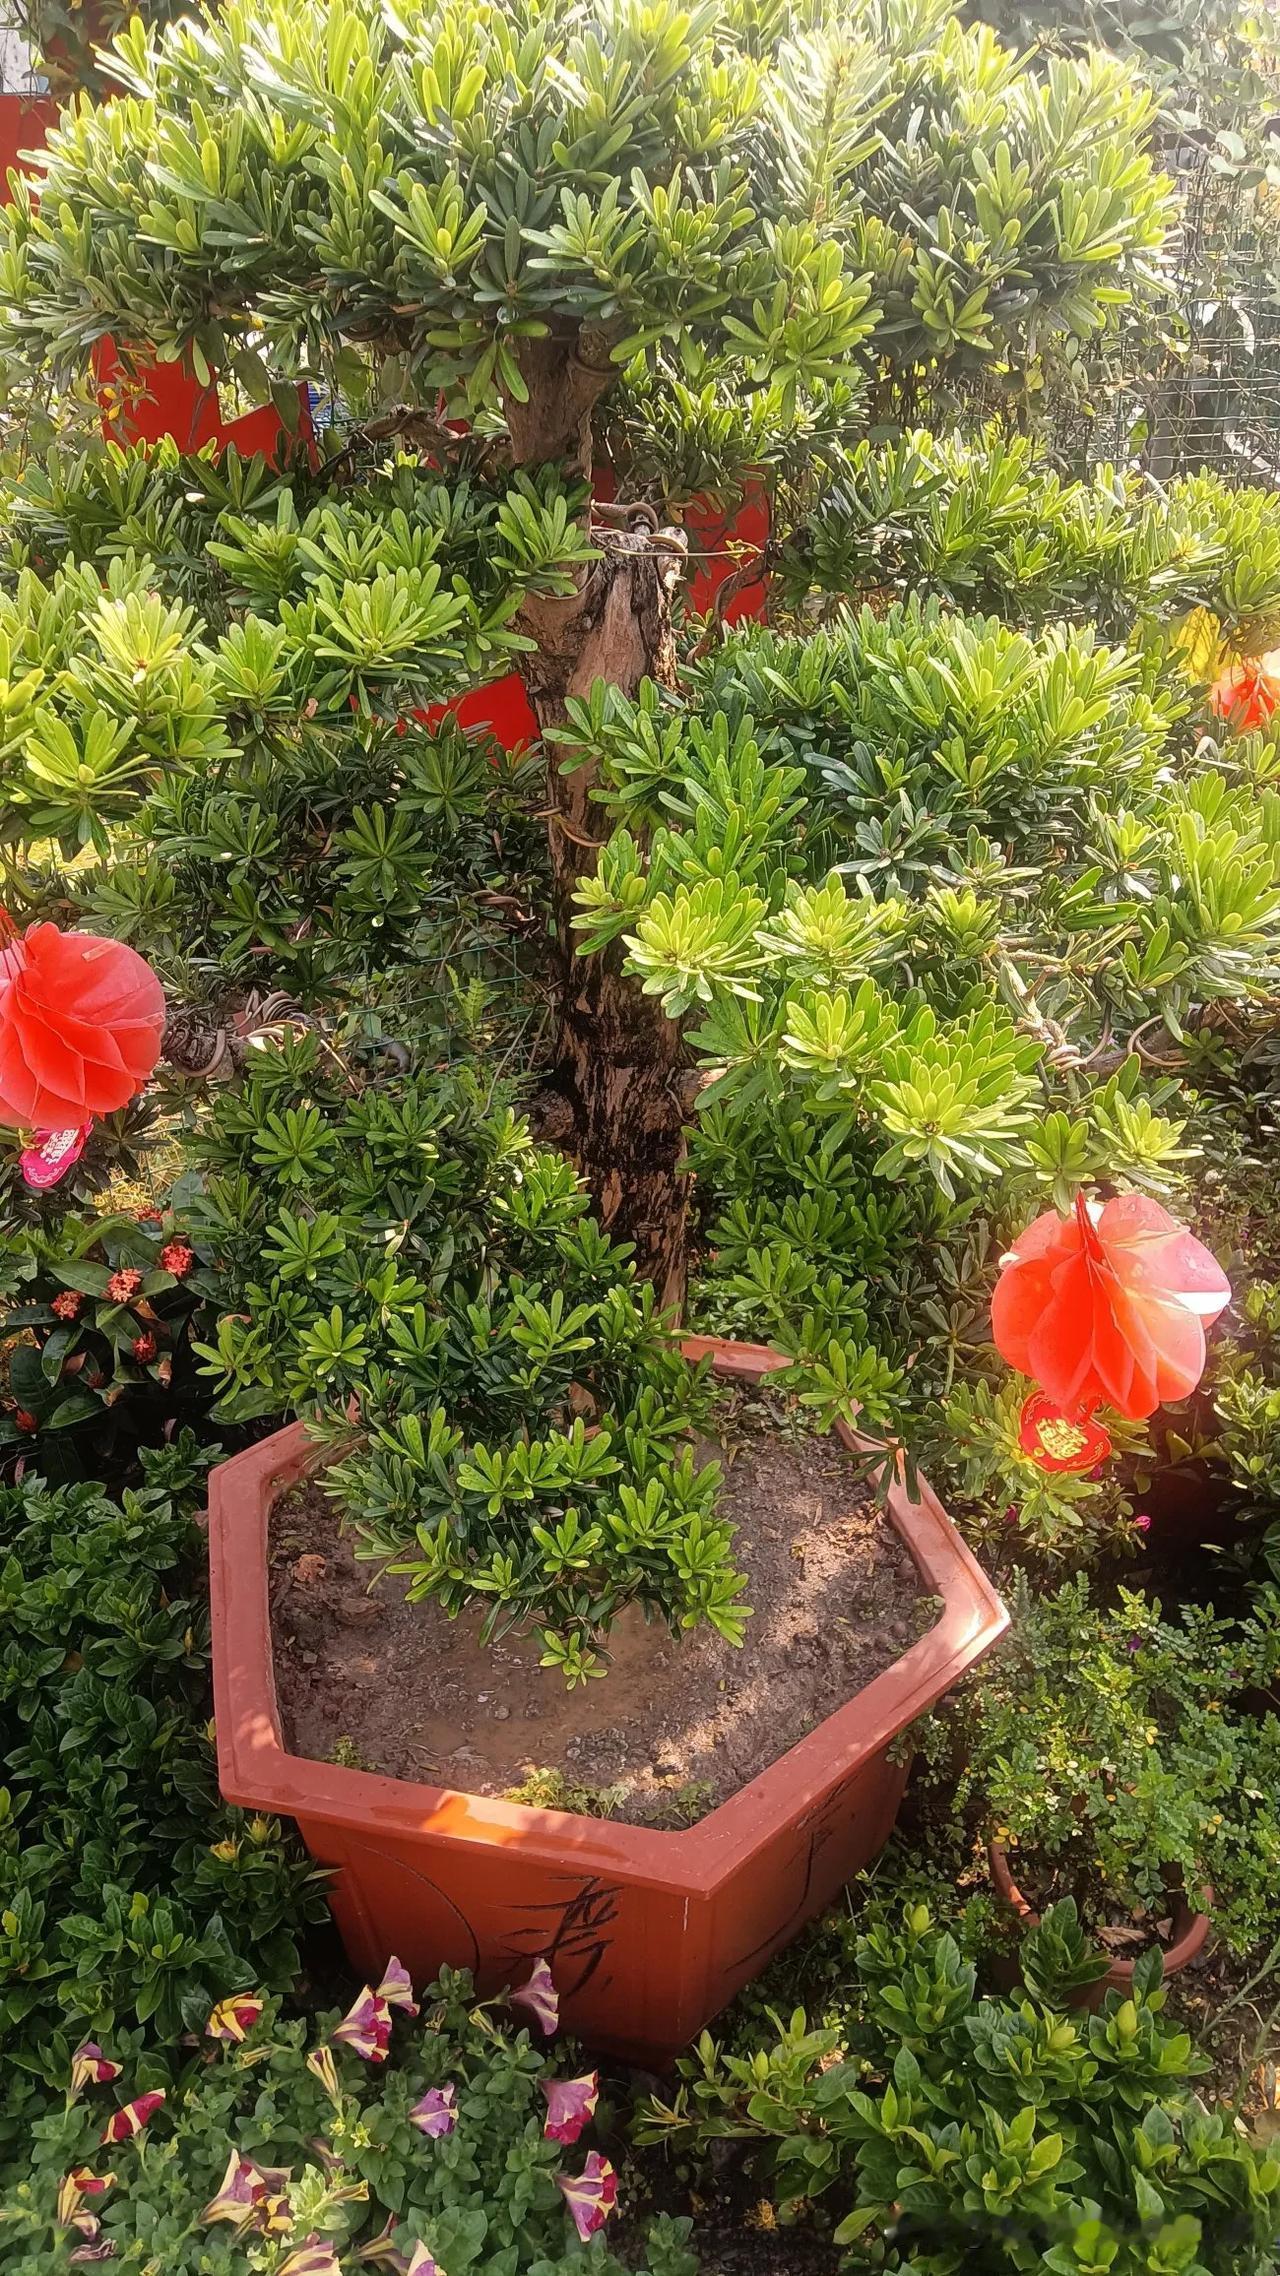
(616, 1102)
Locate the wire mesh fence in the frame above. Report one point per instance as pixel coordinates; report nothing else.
(1199, 387)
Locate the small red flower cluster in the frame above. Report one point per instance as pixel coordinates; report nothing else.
(124, 1285)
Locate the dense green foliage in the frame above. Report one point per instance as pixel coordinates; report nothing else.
(993, 2133)
(397, 1241)
(129, 1896)
(734, 201)
(1115, 1755)
(352, 2167)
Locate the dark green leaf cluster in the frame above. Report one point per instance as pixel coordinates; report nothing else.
(128, 1895)
(991, 524)
(994, 2134)
(394, 1251)
(1110, 1749)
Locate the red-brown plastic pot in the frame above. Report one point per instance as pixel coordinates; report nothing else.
(647, 1933)
(1190, 1929)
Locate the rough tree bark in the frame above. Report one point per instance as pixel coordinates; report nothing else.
(615, 1088)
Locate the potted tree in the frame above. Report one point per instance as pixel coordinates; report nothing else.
(701, 243)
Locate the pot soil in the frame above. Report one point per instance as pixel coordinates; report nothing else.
(648, 1932)
(1180, 1944)
(678, 1724)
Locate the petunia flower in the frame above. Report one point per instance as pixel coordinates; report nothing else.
(251, 2196)
(1247, 693)
(381, 2252)
(1109, 1304)
(313, 2258)
(124, 2123)
(541, 1998)
(320, 2061)
(571, 2106)
(81, 1023)
(592, 2196)
(84, 2253)
(90, 2067)
(396, 1988)
(436, 2113)
(366, 2027)
(232, 2019)
(422, 2263)
(89, 2183)
(70, 2212)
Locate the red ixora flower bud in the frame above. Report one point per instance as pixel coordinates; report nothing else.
(25, 1420)
(68, 1305)
(177, 1258)
(152, 1217)
(124, 1284)
(144, 1347)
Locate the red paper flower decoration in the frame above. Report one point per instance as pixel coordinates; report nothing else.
(1247, 693)
(1108, 1305)
(81, 1020)
(1060, 1442)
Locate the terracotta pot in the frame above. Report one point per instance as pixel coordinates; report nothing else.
(648, 1933)
(1189, 1932)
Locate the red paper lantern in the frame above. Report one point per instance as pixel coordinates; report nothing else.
(81, 1022)
(1109, 1305)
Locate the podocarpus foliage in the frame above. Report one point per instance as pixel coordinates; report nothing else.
(711, 239)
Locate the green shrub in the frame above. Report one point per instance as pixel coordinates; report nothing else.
(355, 2174)
(397, 1241)
(992, 2134)
(1108, 1748)
(771, 191)
(128, 1895)
(100, 1308)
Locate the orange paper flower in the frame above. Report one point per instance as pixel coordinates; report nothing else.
(81, 1021)
(1247, 693)
(1108, 1305)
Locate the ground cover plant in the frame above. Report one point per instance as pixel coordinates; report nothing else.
(130, 1898)
(788, 974)
(286, 2142)
(963, 2131)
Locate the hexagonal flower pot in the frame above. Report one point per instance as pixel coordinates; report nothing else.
(648, 1933)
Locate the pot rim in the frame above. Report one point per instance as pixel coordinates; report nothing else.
(257, 1771)
(1192, 1927)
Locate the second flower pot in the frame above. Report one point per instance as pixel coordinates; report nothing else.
(1190, 1931)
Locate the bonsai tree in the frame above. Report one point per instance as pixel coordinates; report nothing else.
(695, 248)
